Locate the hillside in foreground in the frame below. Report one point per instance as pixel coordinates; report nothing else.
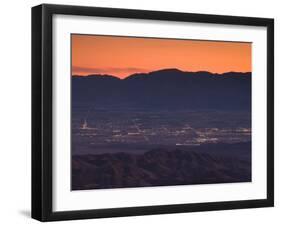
(162, 167)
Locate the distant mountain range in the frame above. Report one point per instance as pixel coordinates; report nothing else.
(166, 89)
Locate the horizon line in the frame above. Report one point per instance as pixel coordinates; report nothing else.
(164, 69)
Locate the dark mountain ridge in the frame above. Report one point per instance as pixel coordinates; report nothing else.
(166, 89)
(162, 167)
(162, 72)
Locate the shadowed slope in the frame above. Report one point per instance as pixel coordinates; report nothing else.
(166, 89)
(159, 167)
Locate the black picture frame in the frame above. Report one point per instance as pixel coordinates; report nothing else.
(42, 111)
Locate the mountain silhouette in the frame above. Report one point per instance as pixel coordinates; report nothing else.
(219, 163)
(166, 89)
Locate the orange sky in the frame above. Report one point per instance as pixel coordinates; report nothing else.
(122, 56)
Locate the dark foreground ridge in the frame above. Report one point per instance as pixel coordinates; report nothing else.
(161, 167)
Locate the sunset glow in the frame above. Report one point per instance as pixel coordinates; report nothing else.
(123, 56)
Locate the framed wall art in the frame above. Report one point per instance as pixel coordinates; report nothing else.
(145, 112)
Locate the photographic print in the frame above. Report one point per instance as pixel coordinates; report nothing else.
(138, 112)
(159, 112)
